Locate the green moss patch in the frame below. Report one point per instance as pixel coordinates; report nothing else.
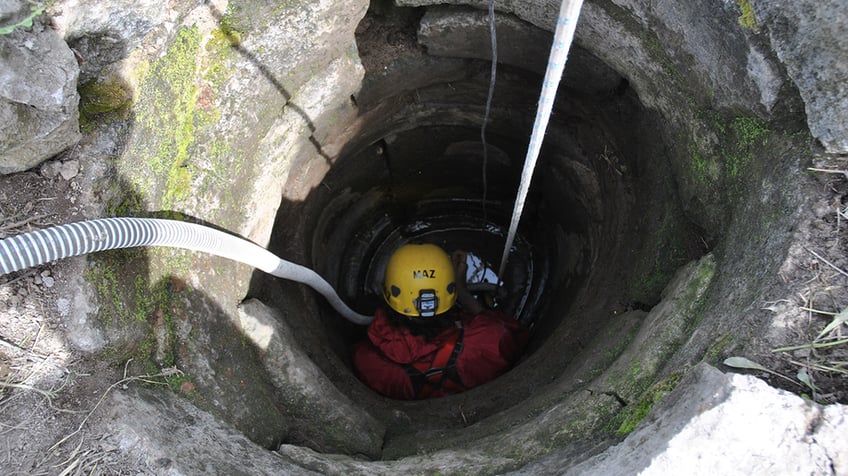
(161, 167)
(747, 18)
(745, 136)
(139, 314)
(101, 96)
(636, 412)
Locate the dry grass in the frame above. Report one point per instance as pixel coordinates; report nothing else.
(821, 359)
(815, 355)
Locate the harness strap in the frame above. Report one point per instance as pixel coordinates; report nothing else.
(441, 371)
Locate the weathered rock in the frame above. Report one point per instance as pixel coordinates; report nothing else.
(38, 97)
(229, 379)
(730, 424)
(718, 41)
(105, 31)
(464, 33)
(324, 417)
(724, 60)
(50, 169)
(694, 48)
(76, 308)
(162, 433)
(69, 169)
(763, 430)
(809, 38)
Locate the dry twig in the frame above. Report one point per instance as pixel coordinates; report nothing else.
(829, 171)
(26, 221)
(825, 261)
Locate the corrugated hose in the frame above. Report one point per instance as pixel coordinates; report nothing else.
(74, 239)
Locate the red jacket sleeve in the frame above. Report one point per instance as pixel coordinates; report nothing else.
(380, 373)
(492, 343)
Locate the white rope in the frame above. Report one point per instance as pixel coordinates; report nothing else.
(563, 37)
(493, 77)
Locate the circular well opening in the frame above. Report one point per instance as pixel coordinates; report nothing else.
(415, 172)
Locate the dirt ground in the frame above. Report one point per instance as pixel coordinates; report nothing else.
(48, 389)
(807, 352)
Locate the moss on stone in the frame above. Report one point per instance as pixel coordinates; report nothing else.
(165, 119)
(177, 151)
(123, 201)
(593, 413)
(721, 154)
(747, 18)
(135, 310)
(699, 164)
(746, 134)
(635, 382)
(225, 36)
(101, 96)
(219, 48)
(718, 347)
(176, 381)
(103, 276)
(636, 412)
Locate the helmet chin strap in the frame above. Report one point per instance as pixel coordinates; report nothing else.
(426, 303)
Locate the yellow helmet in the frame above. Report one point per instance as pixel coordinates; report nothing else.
(420, 281)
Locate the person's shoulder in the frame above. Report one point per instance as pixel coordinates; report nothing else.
(488, 319)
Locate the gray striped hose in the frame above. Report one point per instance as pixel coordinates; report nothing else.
(74, 239)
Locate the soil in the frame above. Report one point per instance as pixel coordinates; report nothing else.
(816, 274)
(47, 387)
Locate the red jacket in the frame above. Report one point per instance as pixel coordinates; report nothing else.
(491, 343)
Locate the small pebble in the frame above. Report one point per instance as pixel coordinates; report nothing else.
(70, 169)
(48, 281)
(64, 306)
